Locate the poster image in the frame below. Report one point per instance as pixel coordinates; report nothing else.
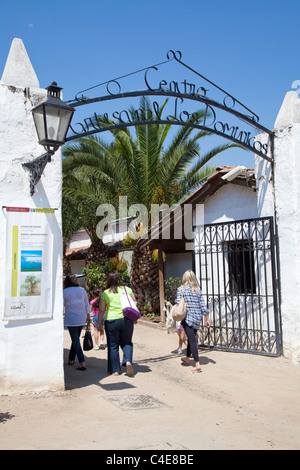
(29, 260)
(30, 285)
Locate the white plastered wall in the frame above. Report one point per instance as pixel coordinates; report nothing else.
(279, 195)
(31, 352)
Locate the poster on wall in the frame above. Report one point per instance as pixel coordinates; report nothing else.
(29, 259)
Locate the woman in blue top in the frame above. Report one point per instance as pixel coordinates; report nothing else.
(196, 308)
(77, 313)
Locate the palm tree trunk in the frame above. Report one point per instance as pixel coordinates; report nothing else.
(144, 281)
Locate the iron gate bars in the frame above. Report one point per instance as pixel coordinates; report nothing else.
(236, 266)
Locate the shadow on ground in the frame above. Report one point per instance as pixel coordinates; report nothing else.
(95, 373)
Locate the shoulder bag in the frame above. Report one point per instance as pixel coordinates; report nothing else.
(87, 339)
(179, 311)
(129, 307)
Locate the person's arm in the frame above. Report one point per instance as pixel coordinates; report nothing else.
(179, 295)
(87, 308)
(102, 309)
(204, 309)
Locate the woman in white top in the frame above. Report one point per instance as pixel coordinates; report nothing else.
(77, 311)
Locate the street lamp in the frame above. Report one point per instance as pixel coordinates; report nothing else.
(52, 119)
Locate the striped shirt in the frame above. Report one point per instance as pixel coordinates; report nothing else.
(196, 306)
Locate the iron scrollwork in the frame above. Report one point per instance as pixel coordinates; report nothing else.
(180, 91)
(36, 168)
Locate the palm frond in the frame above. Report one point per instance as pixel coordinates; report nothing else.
(138, 164)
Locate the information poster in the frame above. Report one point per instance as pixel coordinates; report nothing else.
(29, 260)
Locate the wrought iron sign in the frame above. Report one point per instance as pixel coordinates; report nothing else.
(217, 115)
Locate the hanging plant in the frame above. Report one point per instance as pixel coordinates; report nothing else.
(154, 256)
(132, 238)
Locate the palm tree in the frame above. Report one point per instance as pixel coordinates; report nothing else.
(142, 166)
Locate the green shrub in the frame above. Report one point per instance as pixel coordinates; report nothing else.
(96, 273)
(171, 286)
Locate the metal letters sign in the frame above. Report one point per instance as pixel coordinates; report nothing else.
(216, 116)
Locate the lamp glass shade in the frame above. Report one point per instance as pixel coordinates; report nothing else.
(52, 119)
(57, 123)
(38, 117)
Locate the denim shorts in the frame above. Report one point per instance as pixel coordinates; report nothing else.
(95, 322)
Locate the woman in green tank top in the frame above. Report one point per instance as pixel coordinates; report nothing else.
(118, 329)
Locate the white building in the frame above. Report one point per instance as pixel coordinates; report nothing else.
(233, 255)
(246, 256)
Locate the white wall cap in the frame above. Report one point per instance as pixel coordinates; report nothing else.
(18, 70)
(289, 112)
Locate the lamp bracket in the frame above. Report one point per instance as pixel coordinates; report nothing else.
(36, 168)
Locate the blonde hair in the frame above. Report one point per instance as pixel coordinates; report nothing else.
(189, 278)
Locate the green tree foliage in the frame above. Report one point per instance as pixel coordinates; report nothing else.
(145, 166)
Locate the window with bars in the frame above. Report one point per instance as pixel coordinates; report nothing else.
(241, 268)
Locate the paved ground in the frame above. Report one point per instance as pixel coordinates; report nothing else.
(239, 401)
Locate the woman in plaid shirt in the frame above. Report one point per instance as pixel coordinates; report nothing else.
(196, 308)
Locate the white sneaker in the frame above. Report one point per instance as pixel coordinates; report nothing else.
(96, 347)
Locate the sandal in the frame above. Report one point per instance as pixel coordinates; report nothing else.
(70, 363)
(184, 363)
(81, 368)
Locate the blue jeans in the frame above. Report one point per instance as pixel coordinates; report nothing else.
(76, 349)
(192, 347)
(118, 334)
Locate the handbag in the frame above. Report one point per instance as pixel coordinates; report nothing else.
(129, 307)
(179, 311)
(87, 339)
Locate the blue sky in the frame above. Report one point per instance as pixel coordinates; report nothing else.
(249, 48)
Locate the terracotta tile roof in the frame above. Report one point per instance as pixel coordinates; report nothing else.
(80, 252)
(73, 251)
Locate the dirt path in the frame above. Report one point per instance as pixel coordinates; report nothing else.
(239, 401)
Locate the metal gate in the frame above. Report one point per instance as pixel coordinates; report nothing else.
(236, 266)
